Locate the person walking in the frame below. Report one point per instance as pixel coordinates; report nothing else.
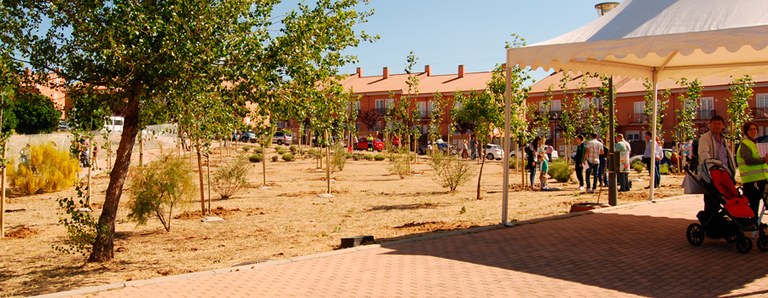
(656, 178)
(96, 157)
(464, 149)
(578, 159)
(623, 149)
(369, 139)
(473, 148)
(592, 156)
(603, 176)
(543, 171)
(532, 151)
(752, 167)
(712, 146)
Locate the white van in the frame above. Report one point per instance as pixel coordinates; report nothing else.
(114, 123)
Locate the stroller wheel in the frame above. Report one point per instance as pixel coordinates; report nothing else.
(695, 234)
(762, 243)
(743, 244)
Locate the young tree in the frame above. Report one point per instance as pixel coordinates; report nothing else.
(686, 114)
(738, 107)
(142, 51)
(571, 118)
(439, 104)
(663, 99)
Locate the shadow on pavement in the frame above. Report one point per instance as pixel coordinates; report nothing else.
(641, 255)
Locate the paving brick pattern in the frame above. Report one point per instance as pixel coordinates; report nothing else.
(625, 252)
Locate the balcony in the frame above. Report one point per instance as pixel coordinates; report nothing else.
(382, 111)
(555, 115)
(638, 118)
(760, 113)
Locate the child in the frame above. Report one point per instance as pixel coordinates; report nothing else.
(544, 168)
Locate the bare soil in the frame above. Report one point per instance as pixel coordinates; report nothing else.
(285, 220)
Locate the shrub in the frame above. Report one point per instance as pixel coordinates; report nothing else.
(35, 113)
(288, 156)
(294, 149)
(664, 169)
(368, 156)
(313, 153)
(230, 178)
(638, 166)
(398, 164)
(246, 148)
(357, 156)
(450, 171)
(379, 157)
(560, 171)
(46, 170)
(339, 157)
(275, 158)
(259, 150)
(80, 224)
(280, 150)
(256, 157)
(158, 187)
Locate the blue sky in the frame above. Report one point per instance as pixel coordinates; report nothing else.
(446, 33)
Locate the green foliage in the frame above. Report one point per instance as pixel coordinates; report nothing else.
(738, 106)
(450, 171)
(35, 113)
(159, 187)
(368, 156)
(88, 110)
(259, 150)
(338, 157)
(256, 157)
(288, 156)
(81, 226)
(661, 112)
(638, 166)
(357, 156)
(685, 129)
(294, 149)
(664, 169)
(379, 157)
(313, 153)
(47, 170)
(281, 150)
(230, 178)
(560, 171)
(398, 163)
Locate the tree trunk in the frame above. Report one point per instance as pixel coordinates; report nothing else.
(200, 177)
(90, 167)
(264, 166)
(2, 187)
(103, 245)
(327, 163)
(480, 176)
(208, 170)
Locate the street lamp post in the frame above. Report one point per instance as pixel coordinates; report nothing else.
(605, 7)
(602, 9)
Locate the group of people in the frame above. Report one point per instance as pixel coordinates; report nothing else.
(592, 156)
(469, 149)
(538, 157)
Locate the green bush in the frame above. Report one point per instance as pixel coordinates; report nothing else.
(158, 187)
(275, 158)
(379, 157)
(664, 169)
(256, 157)
(246, 148)
(369, 156)
(288, 156)
(638, 166)
(560, 171)
(35, 113)
(357, 156)
(313, 153)
(230, 178)
(259, 150)
(281, 150)
(339, 157)
(294, 149)
(46, 169)
(450, 171)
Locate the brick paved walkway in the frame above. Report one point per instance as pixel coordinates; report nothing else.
(635, 251)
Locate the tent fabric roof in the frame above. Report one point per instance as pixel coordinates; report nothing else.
(427, 84)
(693, 38)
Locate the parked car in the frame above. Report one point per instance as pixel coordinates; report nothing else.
(493, 151)
(282, 137)
(362, 144)
(63, 126)
(248, 137)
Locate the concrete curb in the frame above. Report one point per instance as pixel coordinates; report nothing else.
(258, 265)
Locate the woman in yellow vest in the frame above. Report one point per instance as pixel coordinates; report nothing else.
(752, 166)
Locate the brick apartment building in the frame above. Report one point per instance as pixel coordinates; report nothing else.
(630, 101)
(381, 91)
(58, 95)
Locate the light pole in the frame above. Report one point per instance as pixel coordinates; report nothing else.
(602, 9)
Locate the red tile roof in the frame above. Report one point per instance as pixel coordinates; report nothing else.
(428, 84)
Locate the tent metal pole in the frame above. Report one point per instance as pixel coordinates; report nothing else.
(652, 163)
(506, 145)
(614, 165)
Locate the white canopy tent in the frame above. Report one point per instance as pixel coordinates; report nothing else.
(656, 39)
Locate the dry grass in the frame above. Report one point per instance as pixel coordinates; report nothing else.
(286, 220)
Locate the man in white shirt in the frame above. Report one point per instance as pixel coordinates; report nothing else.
(594, 149)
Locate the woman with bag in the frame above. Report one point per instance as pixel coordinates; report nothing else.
(752, 166)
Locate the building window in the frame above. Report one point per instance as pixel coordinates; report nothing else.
(632, 135)
(390, 104)
(282, 124)
(761, 101)
(422, 106)
(556, 106)
(380, 108)
(706, 107)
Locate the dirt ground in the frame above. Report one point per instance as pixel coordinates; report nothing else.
(287, 219)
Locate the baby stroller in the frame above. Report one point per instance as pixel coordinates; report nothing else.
(726, 214)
